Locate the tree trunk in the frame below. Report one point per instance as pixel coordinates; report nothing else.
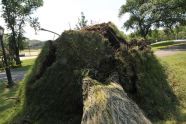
(15, 48)
(17, 58)
(15, 45)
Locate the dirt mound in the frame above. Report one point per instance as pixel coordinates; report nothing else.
(109, 31)
(56, 93)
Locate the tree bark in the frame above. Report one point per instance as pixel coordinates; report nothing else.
(15, 48)
(17, 58)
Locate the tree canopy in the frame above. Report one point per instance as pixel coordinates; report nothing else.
(145, 14)
(169, 13)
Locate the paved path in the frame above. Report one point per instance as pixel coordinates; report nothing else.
(28, 57)
(17, 75)
(171, 50)
(163, 53)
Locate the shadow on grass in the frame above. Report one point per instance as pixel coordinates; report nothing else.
(6, 106)
(154, 93)
(5, 94)
(181, 117)
(24, 68)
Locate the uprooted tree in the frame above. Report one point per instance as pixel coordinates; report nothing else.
(93, 76)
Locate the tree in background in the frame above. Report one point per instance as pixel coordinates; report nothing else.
(179, 32)
(145, 14)
(170, 13)
(9, 52)
(16, 14)
(82, 22)
(140, 19)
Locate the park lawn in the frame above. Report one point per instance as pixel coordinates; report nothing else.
(7, 105)
(175, 67)
(26, 64)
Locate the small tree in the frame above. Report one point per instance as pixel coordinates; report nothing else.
(82, 22)
(16, 13)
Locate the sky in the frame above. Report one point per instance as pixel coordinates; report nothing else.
(60, 15)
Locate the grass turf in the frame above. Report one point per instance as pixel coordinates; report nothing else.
(7, 108)
(176, 70)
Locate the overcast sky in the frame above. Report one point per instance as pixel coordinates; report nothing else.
(60, 15)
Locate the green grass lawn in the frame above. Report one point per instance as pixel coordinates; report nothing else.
(26, 64)
(175, 66)
(7, 105)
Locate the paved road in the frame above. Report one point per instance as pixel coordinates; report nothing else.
(28, 57)
(171, 50)
(17, 75)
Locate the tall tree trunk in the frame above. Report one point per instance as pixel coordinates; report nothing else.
(17, 58)
(15, 48)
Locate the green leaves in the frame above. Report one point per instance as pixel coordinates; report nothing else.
(171, 12)
(82, 22)
(140, 19)
(157, 13)
(16, 13)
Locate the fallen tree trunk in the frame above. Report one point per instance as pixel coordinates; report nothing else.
(110, 105)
